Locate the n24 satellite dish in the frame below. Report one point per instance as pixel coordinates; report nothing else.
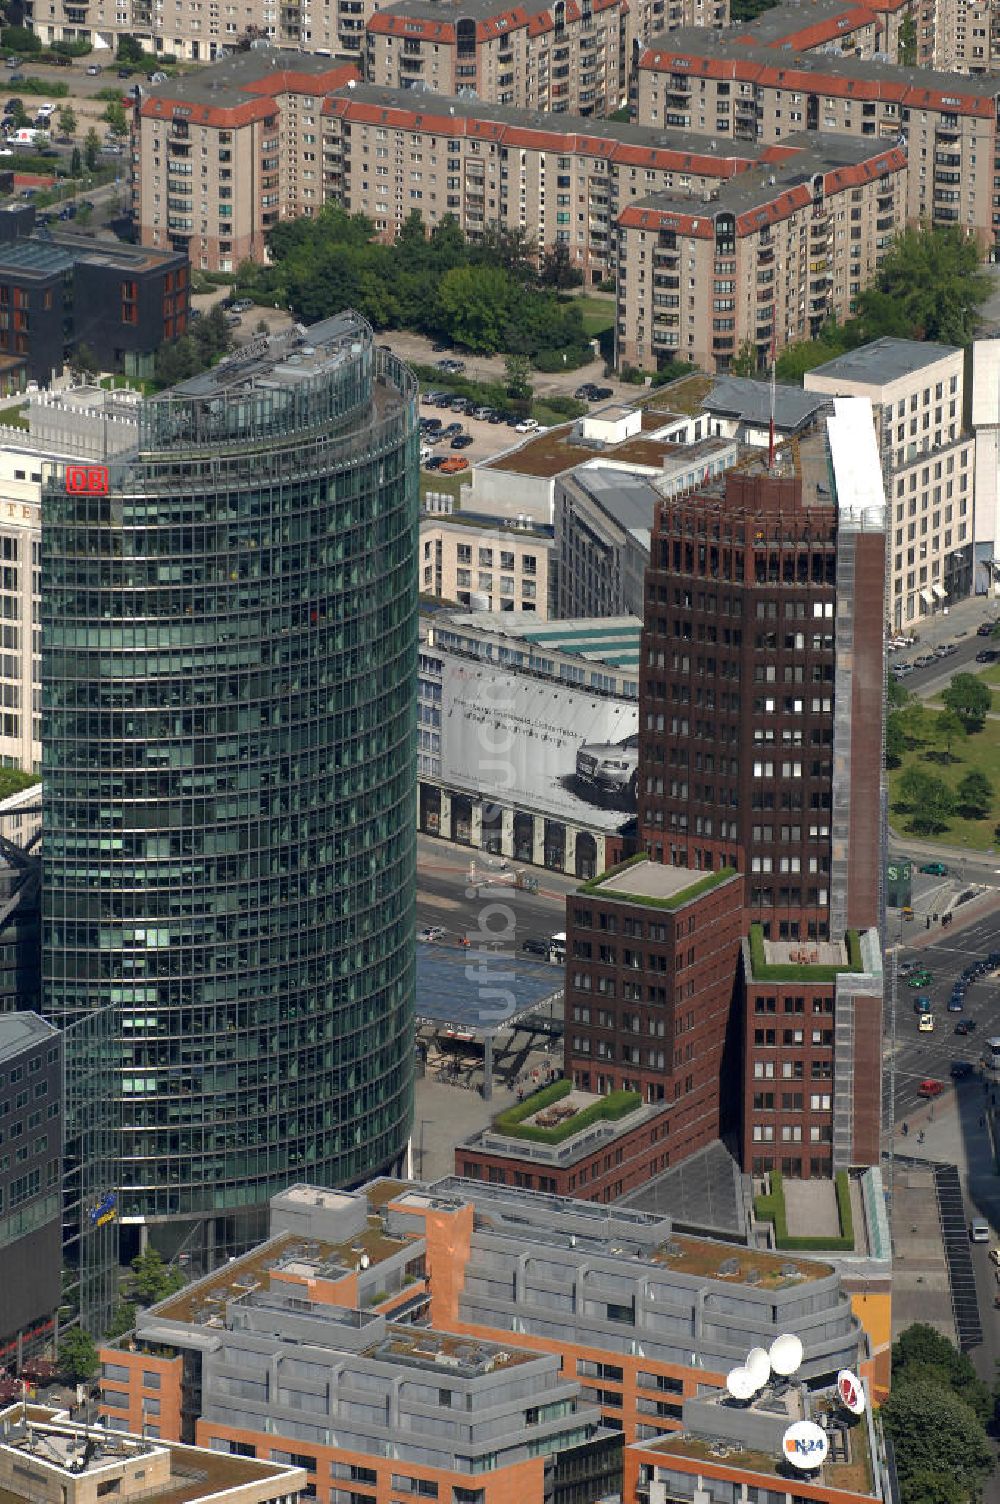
(805, 1445)
(740, 1384)
(786, 1354)
(758, 1366)
(851, 1392)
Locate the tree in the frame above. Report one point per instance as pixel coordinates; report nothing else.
(21, 39)
(745, 359)
(78, 1355)
(935, 1432)
(928, 799)
(907, 42)
(122, 1320)
(84, 359)
(152, 1279)
(896, 694)
(116, 117)
(975, 795)
(18, 114)
(129, 50)
(558, 271)
(75, 163)
(913, 717)
(517, 371)
(949, 728)
(67, 120)
(91, 148)
(895, 741)
(970, 699)
(929, 287)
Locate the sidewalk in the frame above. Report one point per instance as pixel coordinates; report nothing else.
(963, 617)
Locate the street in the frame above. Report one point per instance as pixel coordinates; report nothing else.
(447, 897)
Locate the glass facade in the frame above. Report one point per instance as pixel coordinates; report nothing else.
(229, 653)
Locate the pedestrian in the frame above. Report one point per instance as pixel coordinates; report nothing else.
(920, 1136)
(928, 924)
(906, 1130)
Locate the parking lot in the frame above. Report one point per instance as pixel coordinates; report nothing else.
(487, 438)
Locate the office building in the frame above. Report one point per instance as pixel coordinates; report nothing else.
(60, 294)
(562, 697)
(602, 524)
(222, 153)
(30, 1245)
(611, 1314)
(228, 880)
(51, 1458)
(730, 89)
(928, 462)
(465, 558)
(763, 262)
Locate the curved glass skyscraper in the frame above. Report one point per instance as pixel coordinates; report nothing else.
(229, 661)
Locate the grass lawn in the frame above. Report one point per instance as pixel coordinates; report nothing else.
(598, 313)
(451, 485)
(980, 752)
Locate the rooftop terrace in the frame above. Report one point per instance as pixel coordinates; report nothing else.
(655, 883)
(556, 450)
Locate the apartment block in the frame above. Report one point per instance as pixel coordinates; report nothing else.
(722, 87)
(928, 461)
(467, 1342)
(468, 560)
(761, 262)
(855, 29)
(220, 155)
(554, 56)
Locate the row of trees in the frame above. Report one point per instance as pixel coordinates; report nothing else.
(936, 1415)
(929, 287)
(929, 799)
(151, 1280)
(487, 297)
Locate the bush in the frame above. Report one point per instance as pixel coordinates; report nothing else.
(19, 39)
(564, 407)
(563, 360)
(41, 86)
(71, 49)
(672, 371)
(610, 1108)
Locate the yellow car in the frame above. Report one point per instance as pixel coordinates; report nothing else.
(925, 1023)
(995, 1258)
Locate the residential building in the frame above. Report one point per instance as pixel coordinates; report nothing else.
(219, 155)
(928, 462)
(985, 417)
(30, 1243)
(725, 88)
(50, 1457)
(246, 979)
(544, 56)
(60, 294)
(465, 558)
(602, 525)
(563, 791)
(856, 29)
(762, 263)
(438, 1291)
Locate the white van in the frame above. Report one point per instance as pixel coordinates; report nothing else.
(979, 1230)
(28, 136)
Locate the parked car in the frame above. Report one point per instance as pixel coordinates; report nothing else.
(923, 661)
(922, 1004)
(483, 414)
(461, 441)
(919, 979)
(930, 1088)
(988, 655)
(453, 464)
(979, 1230)
(935, 869)
(451, 429)
(94, 70)
(955, 1003)
(527, 425)
(985, 629)
(495, 417)
(435, 463)
(961, 1070)
(536, 948)
(460, 404)
(125, 72)
(430, 425)
(909, 967)
(233, 320)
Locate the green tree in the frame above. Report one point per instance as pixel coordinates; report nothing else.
(928, 799)
(913, 721)
(970, 699)
(974, 795)
(75, 163)
(475, 304)
(745, 359)
(84, 359)
(152, 1279)
(21, 39)
(129, 50)
(67, 120)
(91, 148)
(896, 694)
(949, 728)
(929, 287)
(78, 1355)
(907, 41)
(18, 114)
(122, 1320)
(935, 1432)
(116, 117)
(517, 371)
(895, 741)
(558, 271)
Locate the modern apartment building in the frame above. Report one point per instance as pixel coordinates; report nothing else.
(31, 1095)
(220, 155)
(929, 465)
(719, 86)
(603, 520)
(546, 55)
(466, 1338)
(758, 263)
(465, 558)
(856, 29)
(229, 765)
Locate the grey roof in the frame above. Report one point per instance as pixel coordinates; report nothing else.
(629, 500)
(21, 1031)
(230, 76)
(733, 46)
(785, 20)
(461, 10)
(750, 401)
(884, 360)
(704, 1193)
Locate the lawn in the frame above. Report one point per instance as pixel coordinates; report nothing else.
(450, 484)
(598, 313)
(980, 752)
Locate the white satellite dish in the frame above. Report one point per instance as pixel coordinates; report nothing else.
(758, 1366)
(805, 1445)
(850, 1392)
(739, 1384)
(786, 1354)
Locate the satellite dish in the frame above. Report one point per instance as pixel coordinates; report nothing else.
(805, 1445)
(786, 1354)
(758, 1366)
(851, 1392)
(740, 1384)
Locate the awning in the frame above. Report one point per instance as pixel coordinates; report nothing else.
(927, 597)
(939, 591)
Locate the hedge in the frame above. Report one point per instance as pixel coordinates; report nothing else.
(763, 971)
(771, 1208)
(700, 885)
(615, 1105)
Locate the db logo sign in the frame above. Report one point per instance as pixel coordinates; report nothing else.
(92, 480)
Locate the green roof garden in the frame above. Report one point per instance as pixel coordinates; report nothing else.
(560, 1111)
(654, 884)
(792, 961)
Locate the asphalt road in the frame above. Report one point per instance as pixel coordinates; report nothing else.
(937, 675)
(477, 907)
(930, 1055)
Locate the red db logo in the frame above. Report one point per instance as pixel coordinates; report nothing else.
(91, 479)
